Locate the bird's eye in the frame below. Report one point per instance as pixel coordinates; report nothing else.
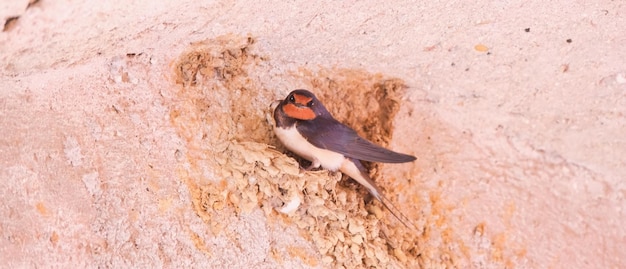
(291, 98)
(309, 104)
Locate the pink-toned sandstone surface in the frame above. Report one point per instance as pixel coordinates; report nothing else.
(516, 111)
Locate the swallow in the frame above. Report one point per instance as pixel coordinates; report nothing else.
(305, 127)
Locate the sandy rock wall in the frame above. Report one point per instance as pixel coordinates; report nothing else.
(137, 135)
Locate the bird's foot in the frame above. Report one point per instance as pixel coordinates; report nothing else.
(313, 165)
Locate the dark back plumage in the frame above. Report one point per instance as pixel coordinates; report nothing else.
(324, 131)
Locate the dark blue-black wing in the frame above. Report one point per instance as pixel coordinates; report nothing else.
(328, 133)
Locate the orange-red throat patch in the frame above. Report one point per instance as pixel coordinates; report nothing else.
(301, 113)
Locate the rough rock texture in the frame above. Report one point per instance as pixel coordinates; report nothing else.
(136, 134)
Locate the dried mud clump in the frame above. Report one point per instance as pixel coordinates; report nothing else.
(217, 94)
(204, 62)
(231, 169)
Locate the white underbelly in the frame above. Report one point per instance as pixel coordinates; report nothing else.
(295, 142)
